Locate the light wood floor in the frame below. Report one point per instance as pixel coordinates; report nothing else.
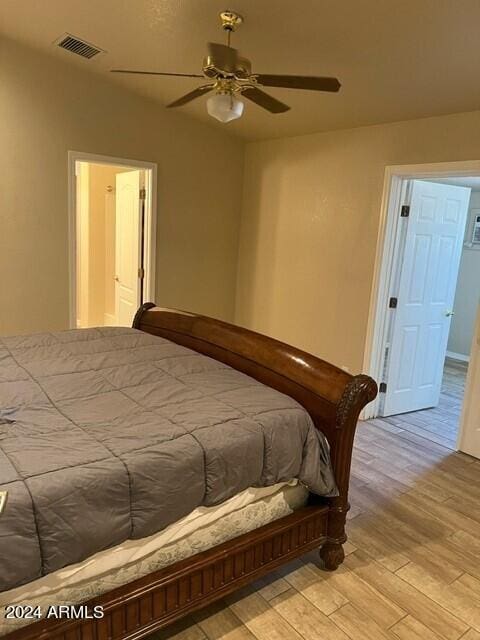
(413, 566)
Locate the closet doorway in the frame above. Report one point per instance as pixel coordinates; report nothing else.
(112, 239)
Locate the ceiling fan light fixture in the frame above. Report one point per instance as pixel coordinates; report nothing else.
(230, 74)
(224, 107)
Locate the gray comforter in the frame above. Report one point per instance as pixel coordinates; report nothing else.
(111, 433)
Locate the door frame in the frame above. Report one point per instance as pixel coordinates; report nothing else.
(150, 168)
(396, 177)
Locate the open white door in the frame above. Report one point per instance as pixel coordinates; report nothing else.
(426, 292)
(128, 207)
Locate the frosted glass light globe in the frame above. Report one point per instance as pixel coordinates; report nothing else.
(224, 107)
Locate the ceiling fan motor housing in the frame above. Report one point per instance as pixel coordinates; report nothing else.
(213, 68)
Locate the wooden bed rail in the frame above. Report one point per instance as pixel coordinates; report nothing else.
(332, 397)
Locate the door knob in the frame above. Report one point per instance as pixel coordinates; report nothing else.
(449, 313)
(116, 278)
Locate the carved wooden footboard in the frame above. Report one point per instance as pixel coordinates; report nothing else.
(332, 397)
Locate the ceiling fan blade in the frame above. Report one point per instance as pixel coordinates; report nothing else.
(196, 93)
(310, 83)
(157, 73)
(223, 57)
(264, 100)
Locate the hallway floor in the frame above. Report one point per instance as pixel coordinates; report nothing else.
(441, 423)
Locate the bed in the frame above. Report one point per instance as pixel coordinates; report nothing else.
(252, 431)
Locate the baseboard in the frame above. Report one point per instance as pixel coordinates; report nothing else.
(458, 356)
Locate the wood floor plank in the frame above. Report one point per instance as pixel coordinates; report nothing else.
(357, 625)
(359, 593)
(449, 443)
(469, 540)
(471, 583)
(348, 548)
(448, 518)
(366, 450)
(369, 540)
(219, 621)
(307, 580)
(471, 635)
(303, 616)
(418, 448)
(409, 628)
(416, 547)
(461, 469)
(185, 629)
(456, 554)
(261, 619)
(452, 484)
(404, 507)
(412, 479)
(384, 425)
(406, 596)
(457, 598)
(426, 445)
(271, 585)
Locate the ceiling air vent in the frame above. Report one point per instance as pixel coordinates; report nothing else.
(80, 47)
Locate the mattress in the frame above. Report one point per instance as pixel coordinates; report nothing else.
(112, 434)
(202, 529)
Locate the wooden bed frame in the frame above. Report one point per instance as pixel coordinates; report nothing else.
(332, 397)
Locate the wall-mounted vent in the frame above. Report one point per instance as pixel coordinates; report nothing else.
(80, 47)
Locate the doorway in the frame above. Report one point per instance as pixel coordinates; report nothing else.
(112, 239)
(425, 299)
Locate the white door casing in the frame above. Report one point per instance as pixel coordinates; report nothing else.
(127, 246)
(469, 433)
(426, 292)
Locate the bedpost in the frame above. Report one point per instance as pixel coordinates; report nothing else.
(359, 391)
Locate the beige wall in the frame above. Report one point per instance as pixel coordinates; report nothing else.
(309, 227)
(48, 107)
(467, 296)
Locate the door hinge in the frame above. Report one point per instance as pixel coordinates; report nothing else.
(141, 273)
(142, 194)
(392, 303)
(382, 387)
(405, 211)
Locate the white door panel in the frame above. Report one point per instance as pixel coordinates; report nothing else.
(426, 292)
(127, 247)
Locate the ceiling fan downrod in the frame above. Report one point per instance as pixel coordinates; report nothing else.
(230, 21)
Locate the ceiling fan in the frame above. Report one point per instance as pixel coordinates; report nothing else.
(231, 75)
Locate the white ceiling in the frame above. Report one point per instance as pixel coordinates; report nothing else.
(396, 59)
